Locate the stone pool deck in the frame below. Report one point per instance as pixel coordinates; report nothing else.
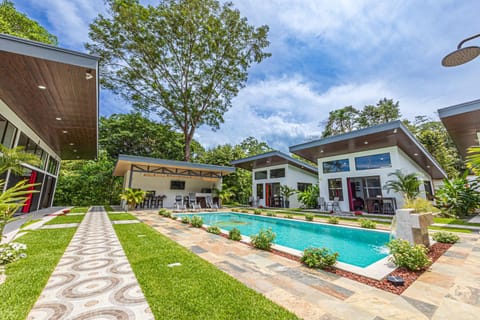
(449, 290)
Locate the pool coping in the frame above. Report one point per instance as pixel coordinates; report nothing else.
(377, 270)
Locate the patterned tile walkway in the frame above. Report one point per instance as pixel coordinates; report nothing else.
(93, 280)
(450, 290)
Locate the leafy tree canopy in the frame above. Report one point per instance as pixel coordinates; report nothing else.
(135, 134)
(183, 59)
(18, 24)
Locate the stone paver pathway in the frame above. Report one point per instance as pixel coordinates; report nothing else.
(451, 290)
(93, 279)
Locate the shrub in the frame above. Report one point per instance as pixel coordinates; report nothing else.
(263, 240)
(164, 212)
(420, 205)
(214, 230)
(333, 220)
(445, 237)
(408, 256)
(289, 216)
(234, 234)
(185, 220)
(10, 252)
(309, 196)
(196, 221)
(271, 214)
(235, 210)
(244, 211)
(257, 211)
(458, 197)
(367, 224)
(309, 217)
(319, 258)
(174, 217)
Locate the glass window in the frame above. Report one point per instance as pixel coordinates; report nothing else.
(335, 189)
(277, 173)
(9, 135)
(23, 140)
(260, 191)
(428, 190)
(52, 166)
(302, 186)
(373, 162)
(341, 165)
(43, 160)
(260, 175)
(177, 185)
(3, 125)
(373, 187)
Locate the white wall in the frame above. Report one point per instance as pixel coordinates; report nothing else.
(293, 175)
(399, 160)
(161, 185)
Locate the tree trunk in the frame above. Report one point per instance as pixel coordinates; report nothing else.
(188, 142)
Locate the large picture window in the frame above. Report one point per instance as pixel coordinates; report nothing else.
(7, 133)
(260, 191)
(277, 173)
(260, 175)
(335, 189)
(341, 165)
(375, 161)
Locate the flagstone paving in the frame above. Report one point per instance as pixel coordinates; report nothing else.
(93, 279)
(450, 290)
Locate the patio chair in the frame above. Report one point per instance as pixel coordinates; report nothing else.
(179, 204)
(192, 200)
(210, 203)
(322, 204)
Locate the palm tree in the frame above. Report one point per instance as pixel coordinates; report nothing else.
(12, 159)
(225, 194)
(132, 197)
(287, 192)
(407, 184)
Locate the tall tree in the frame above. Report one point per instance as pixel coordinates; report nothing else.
(385, 111)
(18, 24)
(135, 134)
(341, 121)
(183, 59)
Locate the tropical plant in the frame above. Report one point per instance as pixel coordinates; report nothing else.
(408, 256)
(184, 59)
(12, 159)
(214, 230)
(257, 211)
(333, 220)
(319, 258)
(407, 184)
(196, 221)
(132, 197)
(225, 194)
(13, 199)
(445, 237)
(473, 159)
(289, 216)
(287, 192)
(186, 220)
(164, 212)
(234, 234)
(271, 214)
(309, 217)
(420, 205)
(309, 197)
(367, 223)
(458, 197)
(263, 240)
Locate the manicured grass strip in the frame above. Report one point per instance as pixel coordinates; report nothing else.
(29, 222)
(121, 216)
(450, 229)
(79, 210)
(108, 208)
(27, 277)
(194, 290)
(65, 219)
(455, 221)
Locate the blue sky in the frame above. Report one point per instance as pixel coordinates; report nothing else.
(325, 55)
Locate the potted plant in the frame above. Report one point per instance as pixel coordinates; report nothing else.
(286, 193)
(132, 197)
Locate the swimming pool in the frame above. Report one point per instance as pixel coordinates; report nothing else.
(358, 247)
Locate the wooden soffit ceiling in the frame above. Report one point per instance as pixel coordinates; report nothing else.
(65, 112)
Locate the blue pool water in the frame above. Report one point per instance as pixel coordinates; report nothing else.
(358, 247)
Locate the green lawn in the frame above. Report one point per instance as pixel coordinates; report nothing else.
(65, 219)
(29, 222)
(450, 229)
(455, 221)
(27, 277)
(121, 216)
(79, 209)
(196, 289)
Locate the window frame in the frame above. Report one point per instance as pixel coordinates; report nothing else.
(371, 163)
(258, 172)
(336, 165)
(335, 189)
(278, 170)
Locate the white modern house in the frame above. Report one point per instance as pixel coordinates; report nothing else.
(273, 169)
(354, 167)
(49, 106)
(168, 181)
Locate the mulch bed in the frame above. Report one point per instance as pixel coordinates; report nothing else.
(435, 251)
